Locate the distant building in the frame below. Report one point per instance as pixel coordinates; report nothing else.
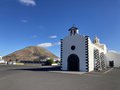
(0, 57)
(113, 59)
(2, 61)
(79, 53)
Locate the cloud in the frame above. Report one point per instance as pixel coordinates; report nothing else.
(52, 37)
(114, 51)
(28, 2)
(45, 45)
(57, 43)
(24, 21)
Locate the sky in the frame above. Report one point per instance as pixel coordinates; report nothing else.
(44, 22)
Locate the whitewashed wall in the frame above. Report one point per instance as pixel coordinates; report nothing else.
(91, 56)
(112, 56)
(79, 42)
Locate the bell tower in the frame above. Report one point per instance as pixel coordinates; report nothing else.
(73, 31)
(96, 40)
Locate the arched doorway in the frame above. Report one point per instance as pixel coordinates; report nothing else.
(73, 63)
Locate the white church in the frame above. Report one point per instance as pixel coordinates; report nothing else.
(79, 53)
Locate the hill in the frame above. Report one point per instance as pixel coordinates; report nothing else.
(31, 53)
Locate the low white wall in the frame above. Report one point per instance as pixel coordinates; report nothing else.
(112, 56)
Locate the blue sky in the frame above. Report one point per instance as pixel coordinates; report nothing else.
(44, 22)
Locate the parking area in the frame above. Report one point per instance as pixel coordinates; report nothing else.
(40, 78)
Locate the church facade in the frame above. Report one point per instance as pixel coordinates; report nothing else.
(79, 53)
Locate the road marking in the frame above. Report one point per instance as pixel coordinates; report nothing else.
(68, 72)
(108, 70)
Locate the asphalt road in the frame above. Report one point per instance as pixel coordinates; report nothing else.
(37, 78)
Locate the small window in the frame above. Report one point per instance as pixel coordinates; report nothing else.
(73, 47)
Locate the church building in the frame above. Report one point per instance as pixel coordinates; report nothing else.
(79, 53)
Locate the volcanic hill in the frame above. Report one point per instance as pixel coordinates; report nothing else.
(31, 53)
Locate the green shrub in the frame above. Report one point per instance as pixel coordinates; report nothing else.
(49, 62)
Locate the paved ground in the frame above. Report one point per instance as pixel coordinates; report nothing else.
(36, 78)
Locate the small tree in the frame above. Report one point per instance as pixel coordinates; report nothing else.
(49, 62)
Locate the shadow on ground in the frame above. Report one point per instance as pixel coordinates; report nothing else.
(48, 68)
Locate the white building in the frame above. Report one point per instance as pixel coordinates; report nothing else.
(79, 53)
(113, 59)
(0, 57)
(2, 61)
